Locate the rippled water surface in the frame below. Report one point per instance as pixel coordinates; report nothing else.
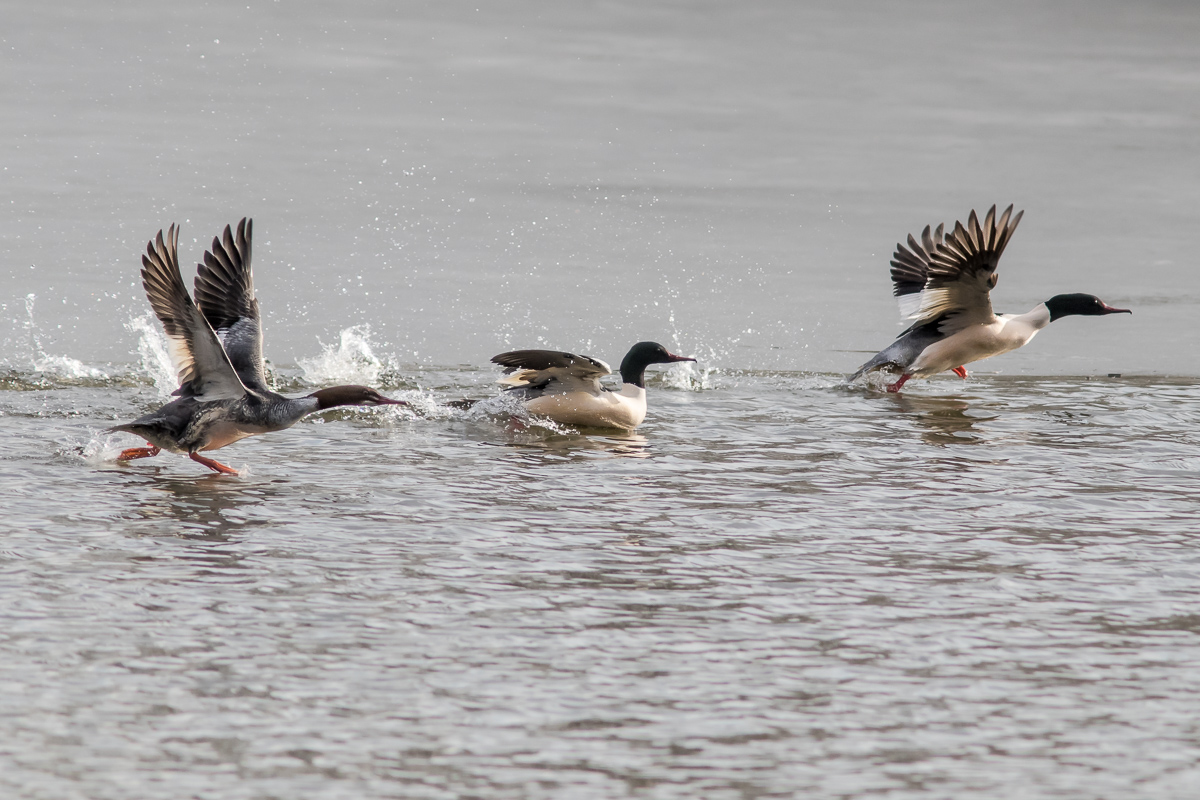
(779, 586)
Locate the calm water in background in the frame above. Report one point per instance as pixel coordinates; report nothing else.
(779, 586)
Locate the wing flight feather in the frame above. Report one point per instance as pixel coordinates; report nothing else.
(201, 363)
(551, 370)
(225, 294)
(961, 271)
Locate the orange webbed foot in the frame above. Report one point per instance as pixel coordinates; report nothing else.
(130, 453)
(216, 466)
(960, 372)
(895, 387)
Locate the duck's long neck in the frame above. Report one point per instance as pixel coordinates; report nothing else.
(633, 391)
(293, 409)
(283, 412)
(1020, 328)
(1036, 318)
(634, 375)
(633, 371)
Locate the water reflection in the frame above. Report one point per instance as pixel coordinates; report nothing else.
(783, 537)
(206, 507)
(586, 441)
(502, 422)
(944, 419)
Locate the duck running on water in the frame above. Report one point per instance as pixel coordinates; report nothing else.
(945, 283)
(215, 344)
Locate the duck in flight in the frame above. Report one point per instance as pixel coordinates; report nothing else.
(215, 344)
(944, 282)
(566, 388)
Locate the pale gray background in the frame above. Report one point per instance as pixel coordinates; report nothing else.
(726, 177)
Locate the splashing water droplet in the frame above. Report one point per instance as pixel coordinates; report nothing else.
(351, 360)
(153, 359)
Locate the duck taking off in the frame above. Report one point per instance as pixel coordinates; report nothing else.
(566, 387)
(215, 344)
(944, 282)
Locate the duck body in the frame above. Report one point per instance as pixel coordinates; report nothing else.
(566, 387)
(188, 425)
(215, 344)
(945, 283)
(1003, 334)
(625, 409)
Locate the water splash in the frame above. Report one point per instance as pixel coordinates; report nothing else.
(513, 412)
(351, 360)
(66, 367)
(691, 376)
(101, 449)
(420, 404)
(687, 376)
(153, 358)
(59, 366)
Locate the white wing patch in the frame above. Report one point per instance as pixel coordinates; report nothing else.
(910, 305)
(967, 300)
(581, 376)
(522, 377)
(959, 269)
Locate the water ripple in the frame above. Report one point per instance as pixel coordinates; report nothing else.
(777, 585)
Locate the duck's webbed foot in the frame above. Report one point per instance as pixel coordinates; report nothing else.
(895, 387)
(960, 372)
(216, 466)
(130, 453)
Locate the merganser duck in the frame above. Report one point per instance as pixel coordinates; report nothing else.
(215, 344)
(566, 387)
(944, 283)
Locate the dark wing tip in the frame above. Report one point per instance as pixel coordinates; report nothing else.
(224, 281)
(534, 359)
(973, 248)
(910, 265)
(166, 251)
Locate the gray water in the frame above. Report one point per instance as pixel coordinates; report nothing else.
(779, 585)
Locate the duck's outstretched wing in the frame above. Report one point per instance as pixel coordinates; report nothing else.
(225, 293)
(203, 368)
(910, 270)
(962, 271)
(551, 371)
